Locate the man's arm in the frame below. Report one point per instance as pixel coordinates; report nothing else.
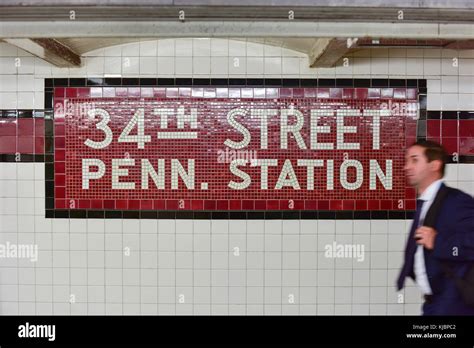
(458, 242)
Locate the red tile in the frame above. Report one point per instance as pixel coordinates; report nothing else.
(59, 155)
(235, 204)
(222, 204)
(311, 205)
(60, 180)
(286, 92)
(410, 193)
(8, 127)
(209, 204)
(109, 204)
(373, 204)
(361, 204)
(197, 204)
(466, 128)
(97, 204)
(146, 204)
(7, 144)
(59, 92)
(59, 130)
(335, 93)
(59, 167)
(361, 93)
(39, 127)
(298, 92)
(84, 204)
(433, 128)
(26, 144)
(59, 191)
(25, 126)
(59, 142)
(60, 203)
(247, 204)
(348, 204)
(449, 128)
(71, 92)
(450, 144)
(323, 205)
(335, 204)
(412, 93)
(397, 205)
(347, 93)
(39, 145)
(272, 204)
(134, 204)
(260, 204)
(466, 146)
(83, 92)
(121, 204)
(386, 204)
(160, 92)
(159, 204)
(410, 204)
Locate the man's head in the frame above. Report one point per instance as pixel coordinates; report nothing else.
(425, 163)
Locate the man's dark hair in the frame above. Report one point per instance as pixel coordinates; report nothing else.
(434, 151)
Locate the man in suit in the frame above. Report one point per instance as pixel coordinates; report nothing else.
(451, 241)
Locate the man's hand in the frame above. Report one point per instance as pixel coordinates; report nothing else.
(425, 236)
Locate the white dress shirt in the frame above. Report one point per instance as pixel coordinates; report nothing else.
(419, 267)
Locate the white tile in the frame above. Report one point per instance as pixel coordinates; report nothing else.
(397, 66)
(414, 66)
(237, 65)
(7, 50)
(239, 48)
(466, 172)
(433, 101)
(290, 65)
(466, 101)
(449, 66)
(148, 65)
(201, 65)
(433, 86)
(26, 83)
(466, 84)
(130, 66)
(9, 83)
(26, 65)
(360, 66)
(184, 65)
(131, 49)
(432, 67)
(166, 66)
(8, 65)
(112, 65)
(148, 48)
(166, 48)
(449, 84)
(26, 100)
(219, 66)
(184, 47)
(219, 47)
(39, 100)
(254, 65)
(201, 47)
(449, 101)
(466, 67)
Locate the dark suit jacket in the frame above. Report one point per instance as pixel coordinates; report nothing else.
(454, 245)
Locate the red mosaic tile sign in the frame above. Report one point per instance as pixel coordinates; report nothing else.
(233, 148)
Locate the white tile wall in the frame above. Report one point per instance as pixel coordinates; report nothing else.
(193, 267)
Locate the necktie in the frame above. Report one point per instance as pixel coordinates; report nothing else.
(410, 247)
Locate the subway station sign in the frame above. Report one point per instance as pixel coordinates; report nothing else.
(232, 148)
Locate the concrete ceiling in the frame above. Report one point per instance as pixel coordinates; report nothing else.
(61, 31)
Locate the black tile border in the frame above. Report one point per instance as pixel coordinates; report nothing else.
(232, 215)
